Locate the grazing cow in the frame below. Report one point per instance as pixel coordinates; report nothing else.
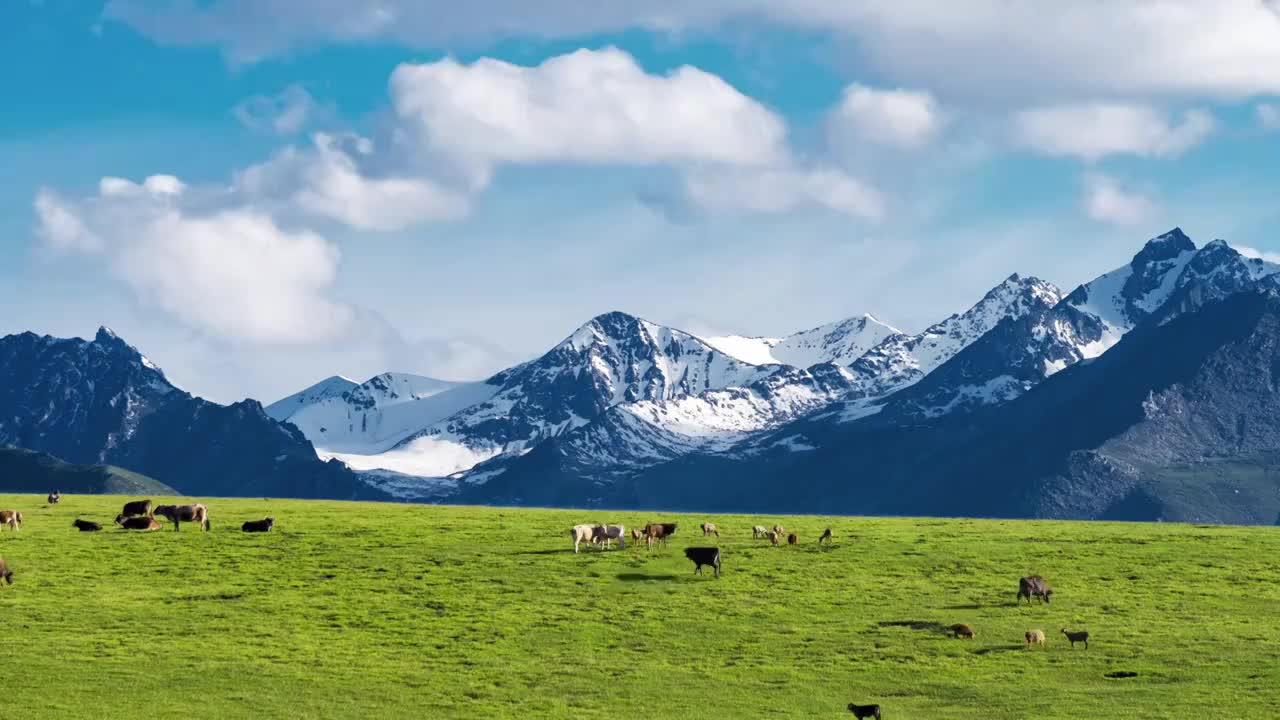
(603, 534)
(759, 532)
(11, 518)
(704, 556)
(961, 630)
(137, 507)
(865, 711)
(773, 537)
(582, 534)
(54, 497)
(86, 525)
(1076, 637)
(779, 529)
(1035, 637)
(659, 532)
(145, 522)
(710, 529)
(1033, 586)
(636, 536)
(5, 573)
(826, 538)
(263, 525)
(178, 514)
(793, 539)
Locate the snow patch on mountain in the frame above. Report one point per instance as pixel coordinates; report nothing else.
(839, 342)
(329, 387)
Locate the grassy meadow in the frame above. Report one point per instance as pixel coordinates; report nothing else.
(405, 611)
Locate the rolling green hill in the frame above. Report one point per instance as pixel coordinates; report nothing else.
(35, 472)
(404, 611)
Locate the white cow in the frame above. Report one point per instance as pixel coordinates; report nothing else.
(759, 531)
(602, 534)
(583, 534)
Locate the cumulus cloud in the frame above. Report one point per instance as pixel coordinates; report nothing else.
(1268, 116)
(901, 118)
(285, 113)
(587, 107)
(1092, 131)
(1107, 201)
(327, 180)
(1022, 48)
(231, 272)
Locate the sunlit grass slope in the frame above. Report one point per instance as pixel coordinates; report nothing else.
(372, 610)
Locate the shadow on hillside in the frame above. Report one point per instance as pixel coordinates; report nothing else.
(916, 625)
(999, 648)
(641, 577)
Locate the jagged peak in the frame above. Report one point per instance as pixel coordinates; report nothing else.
(1164, 247)
(105, 334)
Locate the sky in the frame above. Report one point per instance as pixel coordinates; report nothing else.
(262, 193)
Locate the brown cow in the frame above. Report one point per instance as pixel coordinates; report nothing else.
(137, 507)
(5, 573)
(773, 537)
(145, 522)
(178, 514)
(793, 539)
(658, 532)
(636, 536)
(11, 518)
(961, 630)
(1033, 586)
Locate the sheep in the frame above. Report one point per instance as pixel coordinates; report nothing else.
(1076, 637)
(710, 529)
(773, 537)
(961, 630)
(793, 539)
(779, 529)
(1035, 637)
(759, 532)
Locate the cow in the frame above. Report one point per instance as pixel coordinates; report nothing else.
(263, 525)
(961, 630)
(146, 522)
(865, 711)
(582, 534)
(6, 574)
(780, 530)
(54, 497)
(658, 532)
(12, 519)
(636, 536)
(1033, 586)
(137, 507)
(704, 556)
(710, 529)
(793, 539)
(603, 534)
(773, 538)
(826, 538)
(178, 514)
(759, 532)
(86, 525)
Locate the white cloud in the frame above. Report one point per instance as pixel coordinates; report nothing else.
(1107, 201)
(1271, 257)
(285, 113)
(1092, 131)
(1268, 116)
(779, 190)
(231, 272)
(326, 181)
(586, 107)
(901, 118)
(1015, 48)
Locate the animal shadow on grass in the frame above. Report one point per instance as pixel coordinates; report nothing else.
(928, 625)
(550, 551)
(970, 606)
(998, 648)
(642, 577)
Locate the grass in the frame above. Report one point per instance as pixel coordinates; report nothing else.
(387, 611)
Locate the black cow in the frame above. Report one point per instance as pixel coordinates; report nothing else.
(54, 497)
(136, 508)
(865, 711)
(1033, 586)
(263, 525)
(86, 525)
(704, 556)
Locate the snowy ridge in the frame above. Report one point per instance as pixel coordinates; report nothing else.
(839, 342)
(329, 387)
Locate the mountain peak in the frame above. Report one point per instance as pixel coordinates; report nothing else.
(1164, 247)
(105, 334)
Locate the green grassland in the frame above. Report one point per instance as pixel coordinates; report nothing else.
(406, 611)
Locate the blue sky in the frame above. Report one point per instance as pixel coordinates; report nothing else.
(346, 187)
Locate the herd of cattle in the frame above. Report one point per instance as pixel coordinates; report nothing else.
(601, 537)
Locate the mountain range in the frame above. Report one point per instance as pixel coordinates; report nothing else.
(1142, 394)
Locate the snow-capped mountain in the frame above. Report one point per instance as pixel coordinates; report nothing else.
(615, 358)
(373, 416)
(839, 342)
(103, 402)
(333, 386)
